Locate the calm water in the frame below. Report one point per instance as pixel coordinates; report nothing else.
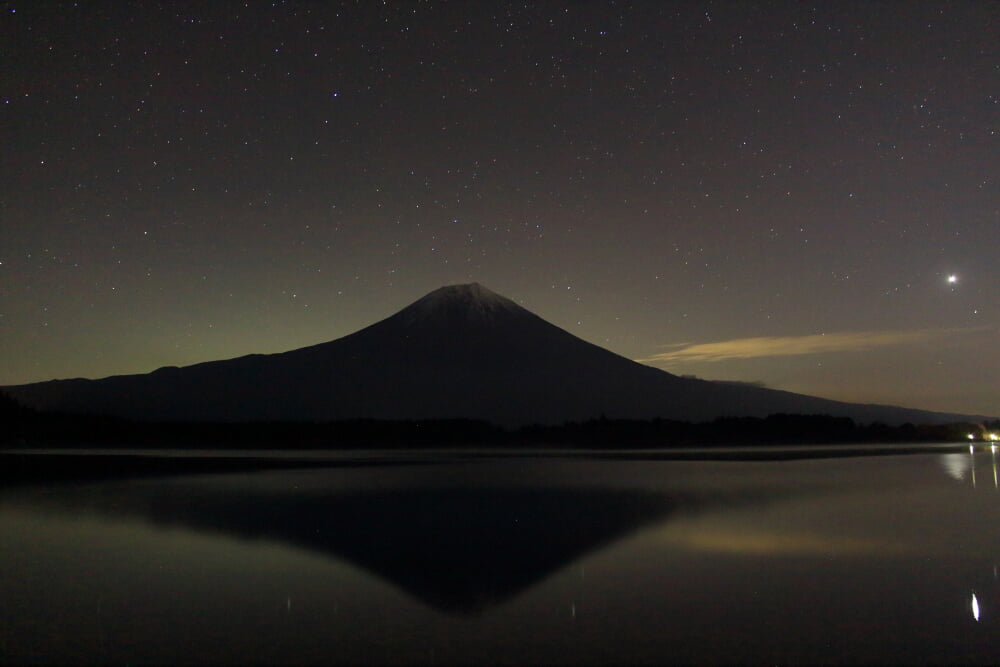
(447, 558)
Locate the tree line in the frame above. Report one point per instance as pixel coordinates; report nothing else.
(21, 426)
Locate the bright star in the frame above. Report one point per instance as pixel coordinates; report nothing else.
(952, 279)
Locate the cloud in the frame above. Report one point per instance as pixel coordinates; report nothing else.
(786, 346)
(740, 540)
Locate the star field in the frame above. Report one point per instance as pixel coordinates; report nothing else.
(188, 181)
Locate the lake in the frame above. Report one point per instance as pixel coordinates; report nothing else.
(879, 556)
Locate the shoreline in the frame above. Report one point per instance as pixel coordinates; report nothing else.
(54, 465)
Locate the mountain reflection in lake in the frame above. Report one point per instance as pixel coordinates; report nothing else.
(868, 559)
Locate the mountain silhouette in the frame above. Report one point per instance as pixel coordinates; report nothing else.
(459, 548)
(461, 351)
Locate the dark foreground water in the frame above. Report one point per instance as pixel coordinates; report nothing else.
(452, 558)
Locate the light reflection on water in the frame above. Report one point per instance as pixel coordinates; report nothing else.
(872, 559)
(961, 466)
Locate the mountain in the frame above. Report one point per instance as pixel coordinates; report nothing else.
(461, 550)
(460, 537)
(461, 351)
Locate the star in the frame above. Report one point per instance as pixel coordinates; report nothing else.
(359, 196)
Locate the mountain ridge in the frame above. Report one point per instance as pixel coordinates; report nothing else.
(461, 351)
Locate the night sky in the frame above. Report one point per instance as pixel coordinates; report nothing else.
(804, 195)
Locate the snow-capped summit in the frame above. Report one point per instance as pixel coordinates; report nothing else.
(472, 294)
(469, 301)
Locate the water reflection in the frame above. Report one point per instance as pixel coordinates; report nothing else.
(972, 459)
(961, 466)
(993, 456)
(460, 549)
(881, 559)
(956, 465)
